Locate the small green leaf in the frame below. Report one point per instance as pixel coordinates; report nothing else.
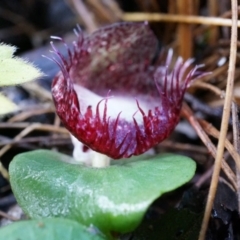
(114, 198)
(14, 70)
(50, 229)
(6, 51)
(6, 106)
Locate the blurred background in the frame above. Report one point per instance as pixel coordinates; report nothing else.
(28, 24)
(186, 26)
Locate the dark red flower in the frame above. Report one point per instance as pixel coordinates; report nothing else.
(113, 95)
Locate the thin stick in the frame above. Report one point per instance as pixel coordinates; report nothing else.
(185, 34)
(27, 130)
(163, 17)
(212, 131)
(224, 124)
(35, 89)
(217, 72)
(114, 7)
(41, 127)
(4, 171)
(5, 215)
(187, 113)
(102, 11)
(40, 140)
(183, 147)
(204, 177)
(23, 133)
(236, 144)
(213, 11)
(84, 14)
(210, 87)
(32, 112)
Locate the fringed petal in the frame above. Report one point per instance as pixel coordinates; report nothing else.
(111, 96)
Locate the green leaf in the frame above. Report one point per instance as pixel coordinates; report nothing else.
(6, 51)
(14, 70)
(50, 229)
(6, 106)
(114, 198)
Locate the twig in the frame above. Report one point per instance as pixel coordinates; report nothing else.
(211, 130)
(183, 147)
(163, 17)
(199, 153)
(218, 71)
(210, 87)
(38, 126)
(4, 171)
(84, 14)
(27, 130)
(201, 29)
(35, 89)
(23, 133)
(32, 112)
(57, 121)
(213, 11)
(39, 140)
(5, 140)
(198, 105)
(236, 143)
(204, 177)
(114, 7)
(30, 128)
(185, 34)
(104, 11)
(224, 123)
(187, 113)
(5, 215)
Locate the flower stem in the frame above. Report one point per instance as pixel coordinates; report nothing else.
(100, 160)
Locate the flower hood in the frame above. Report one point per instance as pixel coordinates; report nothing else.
(115, 94)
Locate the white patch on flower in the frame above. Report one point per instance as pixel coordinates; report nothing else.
(125, 105)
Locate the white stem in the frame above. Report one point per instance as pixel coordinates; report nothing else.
(89, 157)
(100, 160)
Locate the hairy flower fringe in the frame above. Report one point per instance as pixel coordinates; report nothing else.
(116, 136)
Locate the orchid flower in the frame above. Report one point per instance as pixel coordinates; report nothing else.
(115, 94)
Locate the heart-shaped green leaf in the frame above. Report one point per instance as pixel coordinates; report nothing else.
(114, 198)
(48, 228)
